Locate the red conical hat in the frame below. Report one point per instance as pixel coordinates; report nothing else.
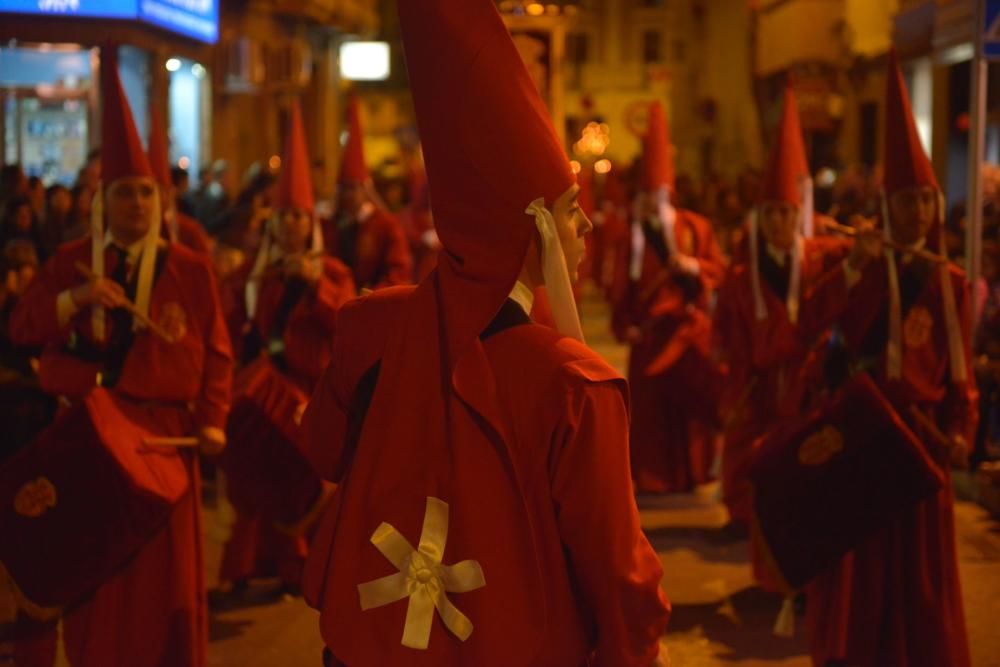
(906, 163)
(122, 155)
(657, 154)
(159, 160)
(788, 165)
(434, 428)
(295, 186)
(352, 163)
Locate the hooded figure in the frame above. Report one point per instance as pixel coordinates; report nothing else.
(167, 360)
(176, 226)
(669, 266)
(485, 513)
(363, 234)
(762, 328)
(281, 310)
(896, 600)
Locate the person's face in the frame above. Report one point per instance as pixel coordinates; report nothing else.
(24, 277)
(60, 202)
(352, 197)
(129, 207)
(779, 222)
(572, 225)
(294, 230)
(23, 218)
(913, 211)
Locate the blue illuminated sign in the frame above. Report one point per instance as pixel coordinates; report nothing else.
(198, 19)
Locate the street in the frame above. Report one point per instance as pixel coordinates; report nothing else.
(719, 616)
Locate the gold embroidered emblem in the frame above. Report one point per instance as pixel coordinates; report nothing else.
(173, 319)
(917, 328)
(821, 446)
(35, 498)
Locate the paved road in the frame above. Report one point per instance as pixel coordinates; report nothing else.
(720, 618)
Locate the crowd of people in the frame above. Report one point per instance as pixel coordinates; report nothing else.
(376, 369)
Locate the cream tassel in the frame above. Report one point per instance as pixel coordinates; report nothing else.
(97, 316)
(61, 659)
(147, 265)
(956, 347)
(759, 305)
(894, 346)
(784, 626)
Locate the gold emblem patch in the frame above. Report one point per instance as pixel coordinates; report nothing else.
(917, 327)
(35, 498)
(821, 446)
(173, 319)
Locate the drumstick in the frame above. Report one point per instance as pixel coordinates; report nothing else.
(85, 271)
(852, 232)
(928, 424)
(170, 442)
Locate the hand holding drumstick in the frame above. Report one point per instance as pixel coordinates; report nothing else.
(108, 293)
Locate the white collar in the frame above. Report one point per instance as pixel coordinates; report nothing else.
(133, 251)
(523, 296)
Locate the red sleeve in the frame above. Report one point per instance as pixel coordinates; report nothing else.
(324, 424)
(823, 304)
(711, 263)
(732, 341)
(398, 260)
(335, 287)
(616, 569)
(212, 405)
(34, 320)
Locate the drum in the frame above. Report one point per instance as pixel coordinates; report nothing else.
(83, 497)
(827, 481)
(267, 473)
(25, 411)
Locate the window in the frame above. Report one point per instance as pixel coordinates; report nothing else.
(651, 40)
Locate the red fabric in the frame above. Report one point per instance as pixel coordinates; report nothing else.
(158, 154)
(788, 165)
(804, 516)
(191, 234)
(381, 253)
(132, 488)
(657, 152)
(256, 548)
(673, 406)
(353, 168)
(896, 600)
(598, 584)
(124, 157)
(417, 221)
(770, 361)
(195, 369)
(906, 163)
(295, 186)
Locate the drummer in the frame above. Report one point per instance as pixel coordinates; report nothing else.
(283, 306)
(152, 611)
(897, 600)
(761, 331)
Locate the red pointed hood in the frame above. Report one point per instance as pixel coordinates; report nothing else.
(353, 168)
(295, 186)
(657, 154)
(906, 163)
(122, 155)
(159, 161)
(788, 165)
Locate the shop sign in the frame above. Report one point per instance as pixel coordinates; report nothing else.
(198, 19)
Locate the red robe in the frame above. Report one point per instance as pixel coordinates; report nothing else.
(671, 375)
(767, 360)
(417, 223)
(378, 253)
(253, 545)
(154, 610)
(896, 600)
(191, 234)
(566, 422)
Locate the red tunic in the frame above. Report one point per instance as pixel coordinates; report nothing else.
(896, 600)
(375, 249)
(154, 610)
(767, 361)
(254, 545)
(670, 369)
(565, 427)
(191, 234)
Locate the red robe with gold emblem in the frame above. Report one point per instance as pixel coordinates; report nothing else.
(768, 360)
(566, 424)
(671, 375)
(374, 248)
(306, 322)
(896, 600)
(154, 610)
